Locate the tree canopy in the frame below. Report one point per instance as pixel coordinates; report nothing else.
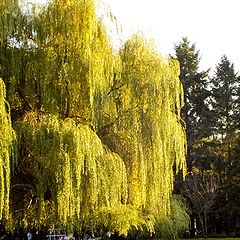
(99, 134)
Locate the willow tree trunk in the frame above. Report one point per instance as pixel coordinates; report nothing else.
(205, 224)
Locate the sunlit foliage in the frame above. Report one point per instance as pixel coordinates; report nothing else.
(75, 174)
(176, 223)
(99, 133)
(6, 141)
(146, 129)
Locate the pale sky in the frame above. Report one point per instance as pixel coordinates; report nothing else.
(213, 25)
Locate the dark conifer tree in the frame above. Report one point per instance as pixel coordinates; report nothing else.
(224, 102)
(195, 113)
(224, 97)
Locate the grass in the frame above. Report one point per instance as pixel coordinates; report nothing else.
(216, 238)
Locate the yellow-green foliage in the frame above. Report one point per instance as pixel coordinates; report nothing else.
(99, 133)
(6, 139)
(7, 7)
(72, 165)
(62, 59)
(122, 218)
(147, 132)
(177, 222)
(65, 32)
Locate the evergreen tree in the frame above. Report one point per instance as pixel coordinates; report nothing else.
(224, 102)
(224, 98)
(195, 112)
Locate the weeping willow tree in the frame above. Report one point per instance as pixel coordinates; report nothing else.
(146, 127)
(99, 133)
(6, 141)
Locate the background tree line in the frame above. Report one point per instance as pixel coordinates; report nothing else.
(211, 114)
